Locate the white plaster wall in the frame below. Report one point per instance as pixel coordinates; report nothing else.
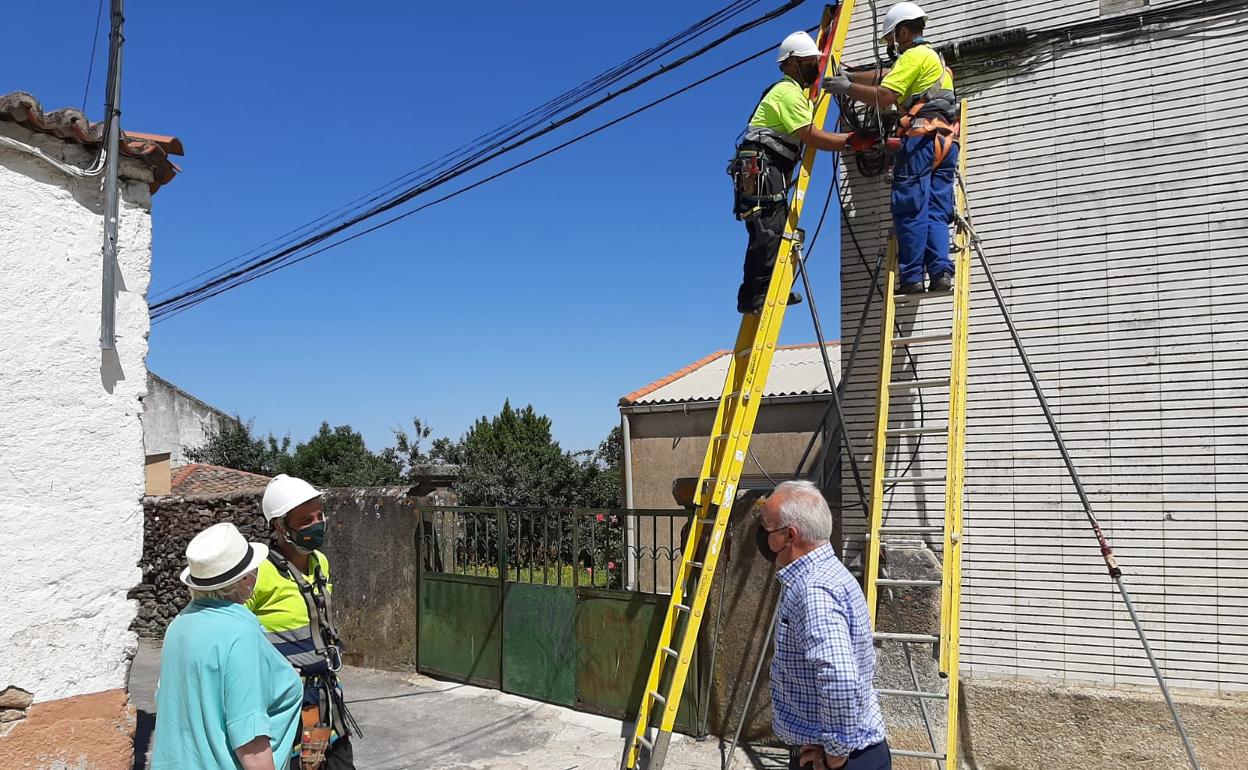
(71, 444)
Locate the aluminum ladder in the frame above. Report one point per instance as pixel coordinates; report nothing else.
(884, 477)
(725, 456)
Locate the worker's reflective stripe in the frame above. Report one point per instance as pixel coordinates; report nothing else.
(297, 647)
(774, 141)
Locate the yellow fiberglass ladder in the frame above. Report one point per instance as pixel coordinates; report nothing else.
(725, 458)
(955, 304)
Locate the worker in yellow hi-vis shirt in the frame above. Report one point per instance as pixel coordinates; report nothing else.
(292, 601)
(766, 156)
(924, 169)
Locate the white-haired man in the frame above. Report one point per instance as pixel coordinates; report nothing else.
(824, 704)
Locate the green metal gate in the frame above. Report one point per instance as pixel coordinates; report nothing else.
(559, 605)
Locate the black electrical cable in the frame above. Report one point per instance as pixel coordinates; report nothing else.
(95, 41)
(207, 289)
(159, 315)
(527, 121)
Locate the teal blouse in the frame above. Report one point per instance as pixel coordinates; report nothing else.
(222, 684)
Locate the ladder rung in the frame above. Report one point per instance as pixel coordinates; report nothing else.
(658, 697)
(914, 479)
(900, 530)
(934, 382)
(671, 653)
(915, 694)
(744, 352)
(683, 607)
(923, 430)
(707, 522)
(902, 299)
(912, 753)
(693, 563)
(649, 744)
(915, 638)
(907, 582)
(922, 339)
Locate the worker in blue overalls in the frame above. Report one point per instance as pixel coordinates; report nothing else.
(924, 169)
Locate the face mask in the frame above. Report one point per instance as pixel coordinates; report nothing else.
(761, 536)
(308, 539)
(807, 73)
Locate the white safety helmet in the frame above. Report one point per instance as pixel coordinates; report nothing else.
(899, 13)
(285, 493)
(798, 44)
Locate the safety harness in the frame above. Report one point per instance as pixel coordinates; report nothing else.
(759, 151)
(934, 111)
(327, 713)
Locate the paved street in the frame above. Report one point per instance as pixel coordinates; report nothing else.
(412, 721)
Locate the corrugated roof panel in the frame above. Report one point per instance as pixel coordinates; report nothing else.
(795, 370)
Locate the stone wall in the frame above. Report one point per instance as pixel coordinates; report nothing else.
(370, 542)
(169, 523)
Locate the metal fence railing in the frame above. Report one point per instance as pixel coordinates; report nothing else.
(625, 549)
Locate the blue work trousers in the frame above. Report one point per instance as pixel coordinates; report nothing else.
(923, 207)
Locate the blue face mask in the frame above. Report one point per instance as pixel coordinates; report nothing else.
(307, 539)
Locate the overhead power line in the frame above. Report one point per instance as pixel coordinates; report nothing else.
(163, 314)
(95, 40)
(527, 121)
(287, 254)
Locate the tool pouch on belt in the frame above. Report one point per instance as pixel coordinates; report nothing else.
(759, 179)
(314, 739)
(751, 187)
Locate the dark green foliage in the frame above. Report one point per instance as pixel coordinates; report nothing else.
(510, 459)
(234, 447)
(337, 457)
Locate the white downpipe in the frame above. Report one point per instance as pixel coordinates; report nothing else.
(630, 522)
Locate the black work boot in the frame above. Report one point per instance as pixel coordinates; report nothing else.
(942, 282)
(910, 288)
(794, 299)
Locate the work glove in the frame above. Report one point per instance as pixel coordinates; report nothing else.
(859, 142)
(837, 84)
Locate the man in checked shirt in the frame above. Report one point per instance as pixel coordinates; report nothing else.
(824, 704)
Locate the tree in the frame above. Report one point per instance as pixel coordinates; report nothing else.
(234, 447)
(601, 483)
(338, 458)
(512, 460)
(407, 454)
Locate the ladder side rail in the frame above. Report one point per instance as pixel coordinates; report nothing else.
(743, 387)
(732, 459)
(951, 604)
(879, 456)
(746, 336)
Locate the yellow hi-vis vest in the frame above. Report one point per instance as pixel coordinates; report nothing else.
(283, 612)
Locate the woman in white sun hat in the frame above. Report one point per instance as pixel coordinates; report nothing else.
(227, 699)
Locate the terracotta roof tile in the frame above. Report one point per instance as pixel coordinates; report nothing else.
(204, 479)
(71, 125)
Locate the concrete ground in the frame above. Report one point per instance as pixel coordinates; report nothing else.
(411, 721)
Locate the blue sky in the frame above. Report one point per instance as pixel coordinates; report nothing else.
(564, 285)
